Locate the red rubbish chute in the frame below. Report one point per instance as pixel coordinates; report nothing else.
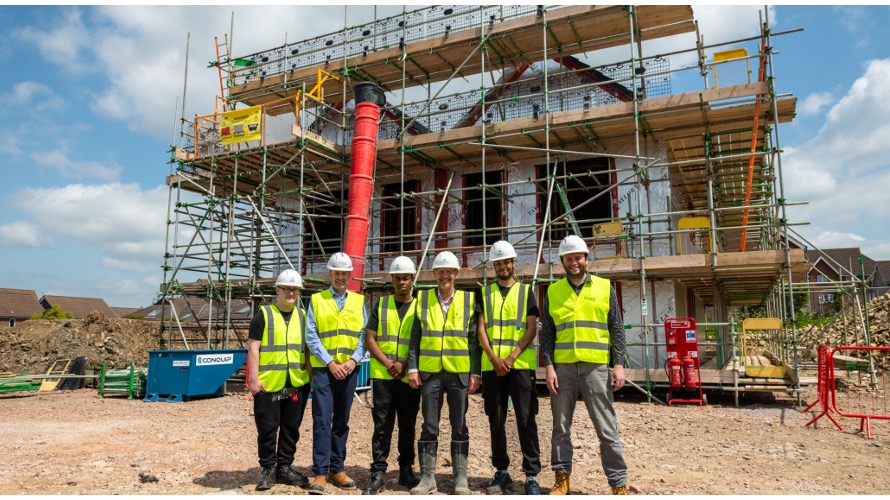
(368, 100)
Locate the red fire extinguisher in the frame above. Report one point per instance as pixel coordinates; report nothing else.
(675, 374)
(689, 372)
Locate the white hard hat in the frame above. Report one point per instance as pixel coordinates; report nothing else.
(402, 265)
(501, 250)
(445, 260)
(289, 277)
(572, 244)
(340, 262)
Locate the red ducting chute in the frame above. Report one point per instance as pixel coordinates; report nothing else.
(368, 100)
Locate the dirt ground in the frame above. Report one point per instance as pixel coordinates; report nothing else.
(75, 443)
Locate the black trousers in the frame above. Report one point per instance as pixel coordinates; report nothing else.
(436, 387)
(278, 426)
(519, 385)
(393, 400)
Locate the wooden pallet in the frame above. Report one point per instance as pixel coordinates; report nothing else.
(59, 367)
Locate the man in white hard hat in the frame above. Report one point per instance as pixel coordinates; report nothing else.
(278, 381)
(582, 336)
(388, 335)
(508, 325)
(335, 334)
(443, 361)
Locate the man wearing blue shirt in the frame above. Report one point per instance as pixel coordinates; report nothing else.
(335, 334)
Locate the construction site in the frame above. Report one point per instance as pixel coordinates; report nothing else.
(500, 122)
(450, 128)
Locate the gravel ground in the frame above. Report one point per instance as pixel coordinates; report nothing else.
(75, 443)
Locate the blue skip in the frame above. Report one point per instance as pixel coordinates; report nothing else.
(175, 376)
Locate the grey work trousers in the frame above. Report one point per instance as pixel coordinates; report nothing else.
(592, 382)
(432, 395)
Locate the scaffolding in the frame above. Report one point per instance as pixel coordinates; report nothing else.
(506, 125)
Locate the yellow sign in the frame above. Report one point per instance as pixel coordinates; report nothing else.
(241, 125)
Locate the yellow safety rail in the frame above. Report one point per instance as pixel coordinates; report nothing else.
(763, 347)
(698, 240)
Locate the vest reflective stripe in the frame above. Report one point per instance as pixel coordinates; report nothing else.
(505, 324)
(581, 321)
(281, 350)
(338, 330)
(393, 336)
(443, 341)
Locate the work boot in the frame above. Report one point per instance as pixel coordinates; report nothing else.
(316, 487)
(341, 480)
(499, 483)
(561, 485)
(377, 484)
(407, 477)
(459, 450)
(267, 478)
(619, 490)
(287, 475)
(531, 486)
(426, 453)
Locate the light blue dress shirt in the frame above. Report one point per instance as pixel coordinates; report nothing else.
(314, 342)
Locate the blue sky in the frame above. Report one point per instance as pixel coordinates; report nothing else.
(90, 98)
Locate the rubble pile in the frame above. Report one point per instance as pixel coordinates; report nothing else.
(31, 346)
(846, 329)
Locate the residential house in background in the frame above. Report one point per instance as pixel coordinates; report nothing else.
(80, 307)
(17, 305)
(123, 312)
(833, 269)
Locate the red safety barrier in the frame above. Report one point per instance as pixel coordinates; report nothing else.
(863, 386)
(824, 384)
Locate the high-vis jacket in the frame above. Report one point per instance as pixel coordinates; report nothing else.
(505, 321)
(338, 330)
(581, 321)
(281, 350)
(443, 342)
(393, 335)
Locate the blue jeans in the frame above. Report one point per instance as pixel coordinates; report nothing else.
(331, 404)
(593, 383)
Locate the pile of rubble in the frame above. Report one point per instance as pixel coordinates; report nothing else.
(31, 346)
(847, 328)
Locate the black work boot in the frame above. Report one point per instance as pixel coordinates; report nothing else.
(407, 477)
(377, 484)
(267, 478)
(500, 482)
(287, 475)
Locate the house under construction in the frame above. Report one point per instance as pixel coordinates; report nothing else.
(524, 123)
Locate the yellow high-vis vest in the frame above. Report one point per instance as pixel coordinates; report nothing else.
(393, 335)
(338, 330)
(581, 320)
(444, 344)
(281, 350)
(505, 322)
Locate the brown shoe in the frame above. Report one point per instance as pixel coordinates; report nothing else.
(561, 485)
(619, 490)
(341, 480)
(316, 487)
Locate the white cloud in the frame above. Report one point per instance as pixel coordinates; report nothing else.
(835, 239)
(122, 220)
(842, 172)
(32, 95)
(142, 52)
(9, 145)
(813, 103)
(71, 169)
(22, 234)
(67, 43)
